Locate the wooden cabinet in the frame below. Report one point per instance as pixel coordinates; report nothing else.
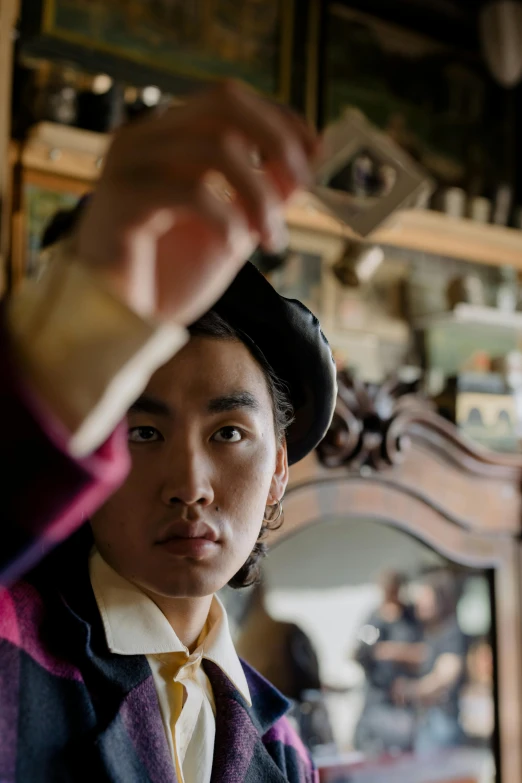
(53, 168)
(8, 16)
(389, 462)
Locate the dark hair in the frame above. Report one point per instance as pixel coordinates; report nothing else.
(445, 590)
(214, 326)
(391, 579)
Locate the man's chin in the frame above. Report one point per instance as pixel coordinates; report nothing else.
(186, 583)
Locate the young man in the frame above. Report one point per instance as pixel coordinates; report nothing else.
(136, 678)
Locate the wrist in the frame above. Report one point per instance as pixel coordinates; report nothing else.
(132, 283)
(85, 352)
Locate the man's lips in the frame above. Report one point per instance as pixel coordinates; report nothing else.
(187, 530)
(189, 539)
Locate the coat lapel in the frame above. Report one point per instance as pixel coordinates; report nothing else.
(134, 746)
(239, 753)
(129, 739)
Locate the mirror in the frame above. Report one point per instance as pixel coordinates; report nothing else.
(384, 647)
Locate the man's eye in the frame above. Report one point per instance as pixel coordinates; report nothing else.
(143, 435)
(228, 435)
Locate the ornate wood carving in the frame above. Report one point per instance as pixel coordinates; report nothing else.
(374, 426)
(369, 426)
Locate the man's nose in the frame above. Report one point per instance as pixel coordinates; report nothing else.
(188, 478)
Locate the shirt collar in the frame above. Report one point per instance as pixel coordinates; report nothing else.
(134, 625)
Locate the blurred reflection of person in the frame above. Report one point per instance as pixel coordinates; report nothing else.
(435, 694)
(283, 653)
(390, 649)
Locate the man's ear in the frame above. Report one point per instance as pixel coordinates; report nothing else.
(280, 477)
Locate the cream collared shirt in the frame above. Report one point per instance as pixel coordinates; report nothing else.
(134, 625)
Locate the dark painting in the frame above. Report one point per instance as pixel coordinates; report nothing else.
(41, 204)
(194, 39)
(436, 101)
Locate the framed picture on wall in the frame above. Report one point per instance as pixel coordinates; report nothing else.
(433, 99)
(168, 43)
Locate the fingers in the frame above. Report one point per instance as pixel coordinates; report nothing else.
(164, 168)
(253, 192)
(216, 238)
(284, 142)
(225, 222)
(157, 163)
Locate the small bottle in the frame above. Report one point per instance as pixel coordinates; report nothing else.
(479, 209)
(502, 205)
(507, 292)
(58, 99)
(101, 104)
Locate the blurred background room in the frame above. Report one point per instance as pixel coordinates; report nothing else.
(389, 610)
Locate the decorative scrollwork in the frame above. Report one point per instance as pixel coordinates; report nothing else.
(369, 427)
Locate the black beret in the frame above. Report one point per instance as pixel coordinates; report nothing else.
(290, 338)
(287, 334)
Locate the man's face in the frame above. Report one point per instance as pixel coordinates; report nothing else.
(426, 607)
(205, 464)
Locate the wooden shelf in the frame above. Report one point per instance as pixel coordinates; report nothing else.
(439, 234)
(75, 153)
(422, 230)
(63, 151)
(472, 315)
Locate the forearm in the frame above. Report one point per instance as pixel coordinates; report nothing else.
(434, 685)
(45, 492)
(429, 688)
(406, 653)
(82, 350)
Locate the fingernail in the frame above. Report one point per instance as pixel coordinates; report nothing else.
(278, 237)
(301, 169)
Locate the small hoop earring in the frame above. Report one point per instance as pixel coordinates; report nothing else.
(277, 505)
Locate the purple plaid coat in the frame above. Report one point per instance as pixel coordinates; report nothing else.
(70, 710)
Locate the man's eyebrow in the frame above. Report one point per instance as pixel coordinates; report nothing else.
(231, 402)
(149, 404)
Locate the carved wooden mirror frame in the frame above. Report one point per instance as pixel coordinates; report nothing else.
(389, 456)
